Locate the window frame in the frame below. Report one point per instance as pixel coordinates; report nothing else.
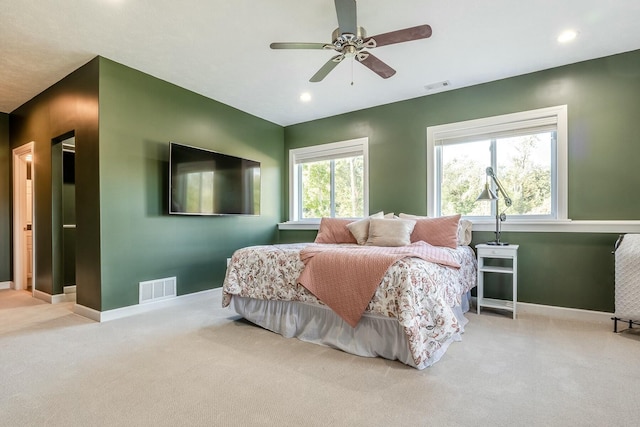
(328, 151)
(513, 121)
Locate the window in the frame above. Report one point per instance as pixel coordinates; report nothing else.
(329, 180)
(527, 151)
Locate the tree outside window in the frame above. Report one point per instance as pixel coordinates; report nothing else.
(329, 180)
(333, 188)
(523, 163)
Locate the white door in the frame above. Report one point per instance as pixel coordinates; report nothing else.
(29, 228)
(23, 218)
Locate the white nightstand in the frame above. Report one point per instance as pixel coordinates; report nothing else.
(505, 252)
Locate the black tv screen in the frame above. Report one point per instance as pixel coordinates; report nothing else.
(204, 182)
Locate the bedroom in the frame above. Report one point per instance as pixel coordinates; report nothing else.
(122, 168)
(139, 115)
(133, 154)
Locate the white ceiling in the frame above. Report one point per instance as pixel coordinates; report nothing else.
(220, 49)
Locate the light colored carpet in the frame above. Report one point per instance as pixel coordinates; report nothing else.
(197, 364)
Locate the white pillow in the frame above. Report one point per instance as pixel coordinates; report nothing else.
(464, 232)
(390, 232)
(360, 228)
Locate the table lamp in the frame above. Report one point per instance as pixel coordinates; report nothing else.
(487, 194)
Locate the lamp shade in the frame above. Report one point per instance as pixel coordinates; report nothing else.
(487, 194)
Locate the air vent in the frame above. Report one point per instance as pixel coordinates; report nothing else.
(156, 290)
(438, 86)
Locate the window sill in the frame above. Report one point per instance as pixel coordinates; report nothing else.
(561, 226)
(298, 225)
(541, 226)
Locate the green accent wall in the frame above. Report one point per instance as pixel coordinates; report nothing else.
(296, 236)
(574, 270)
(139, 115)
(69, 106)
(559, 269)
(5, 200)
(123, 121)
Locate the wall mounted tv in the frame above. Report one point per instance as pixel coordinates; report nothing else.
(204, 182)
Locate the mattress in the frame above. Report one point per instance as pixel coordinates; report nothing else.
(627, 278)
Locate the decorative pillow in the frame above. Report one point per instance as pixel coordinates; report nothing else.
(334, 230)
(390, 232)
(442, 231)
(360, 228)
(464, 232)
(465, 228)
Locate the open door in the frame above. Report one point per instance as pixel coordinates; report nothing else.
(23, 265)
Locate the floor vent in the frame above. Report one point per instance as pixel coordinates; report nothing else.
(156, 290)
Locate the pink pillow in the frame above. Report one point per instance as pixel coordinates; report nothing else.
(442, 231)
(334, 230)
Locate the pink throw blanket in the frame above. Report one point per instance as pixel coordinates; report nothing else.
(345, 279)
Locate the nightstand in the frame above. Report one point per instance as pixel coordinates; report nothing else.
(509, 252)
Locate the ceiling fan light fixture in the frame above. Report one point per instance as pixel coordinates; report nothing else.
(350, 41)
(350, 51)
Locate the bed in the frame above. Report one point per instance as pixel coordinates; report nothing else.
(415, 313)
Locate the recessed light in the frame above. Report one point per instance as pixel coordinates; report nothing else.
(305, 97)
(567, 36)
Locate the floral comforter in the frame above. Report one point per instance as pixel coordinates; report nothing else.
(420, 294)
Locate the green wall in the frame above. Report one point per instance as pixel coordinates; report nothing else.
(5, 197)
(69, 106)
(566, 269)
(124, 234)
(123, 121)
(139, 115)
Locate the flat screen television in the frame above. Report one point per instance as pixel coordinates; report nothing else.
(205, 182)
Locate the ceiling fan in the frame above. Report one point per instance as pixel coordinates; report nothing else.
(351, 41)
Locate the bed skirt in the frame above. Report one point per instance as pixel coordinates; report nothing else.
(373, 336)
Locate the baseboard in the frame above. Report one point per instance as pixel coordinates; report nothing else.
(523, 308)
(118, 313)
(563, 313)
(6, 285)
(87, 312)
(54, 299)
(42, 296)
(65, 297)
(69, 289)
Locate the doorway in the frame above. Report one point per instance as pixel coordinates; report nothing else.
(68, 205)
(63, 224)
(23, 230)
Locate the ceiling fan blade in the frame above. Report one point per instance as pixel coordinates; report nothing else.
(346, 11)
(375, 65)
(299, 46)
(326, 69)
(399, 36)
